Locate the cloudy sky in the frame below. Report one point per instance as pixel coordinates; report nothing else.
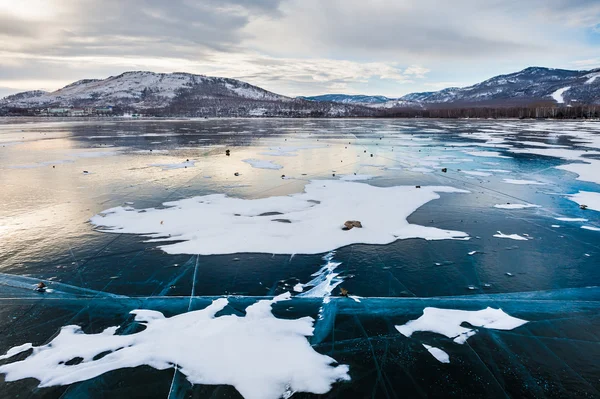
(295, 47)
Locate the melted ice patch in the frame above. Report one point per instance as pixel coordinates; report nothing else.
(515, 206)
(262, 164)
(207, 349)
(517, 237)
(305, 223)
(449, 322)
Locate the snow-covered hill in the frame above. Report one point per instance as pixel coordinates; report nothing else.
(534, 84)
(142, 89)
(349, 99)
(366, 101)
(181, 94)
(531, 85)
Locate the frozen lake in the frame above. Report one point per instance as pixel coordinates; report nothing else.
(115, 216)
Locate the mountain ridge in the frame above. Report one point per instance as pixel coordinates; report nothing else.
(186, 94)
(530, 85)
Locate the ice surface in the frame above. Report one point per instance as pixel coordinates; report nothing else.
(449, 322)
(476, 173)
(262, 164)
(589, 198)
(218, 224)
(260, 355)
(439, 354)
(170, 166)
(495, 170)
(523, 182)
(421, 170)
(42, 164)
(488, 154)
(356, 177)
(515, 206)
(499, 234)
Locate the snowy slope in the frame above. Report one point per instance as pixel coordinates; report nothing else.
(349, 99)
(142, 89)
(364, 100)
(532, 84)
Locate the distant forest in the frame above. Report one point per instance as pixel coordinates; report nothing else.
(213, 109)
(522, 112)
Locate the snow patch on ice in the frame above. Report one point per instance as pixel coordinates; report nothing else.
(587, 171)
(298, 287)
(206, 349)
(523, 182)
(305, 223)
(562, 219)
(592, 228)
(448, 322)
(589, 198)
(439, 354)
(515, 206)
(517, 237)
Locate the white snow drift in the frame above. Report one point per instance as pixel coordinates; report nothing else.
(305, 223)
(515, 206)
(523, 182)
(449, 322)
(589, 198)
(260, 355)
(517, 237)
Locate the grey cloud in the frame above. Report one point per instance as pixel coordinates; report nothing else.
(142, 27)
